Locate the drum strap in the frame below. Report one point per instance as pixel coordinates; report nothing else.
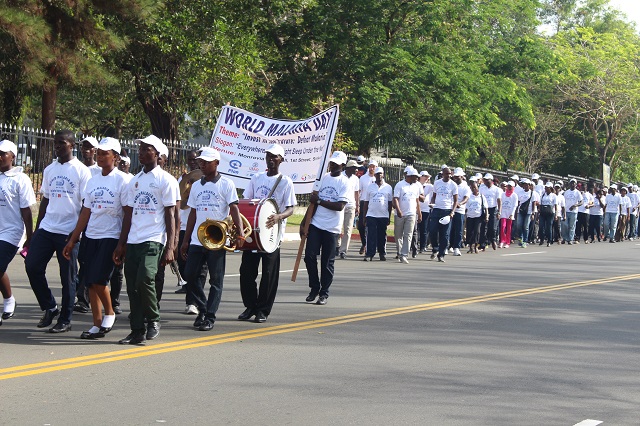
(275, 185)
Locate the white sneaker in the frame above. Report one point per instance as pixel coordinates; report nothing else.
(191, 310)
(456, 252)
(451, 250)
(404, 259)
(399, 259)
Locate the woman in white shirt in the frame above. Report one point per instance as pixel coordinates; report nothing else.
(507, 213)
(612, 211)
(596, 212)
(477, 213)
(548, 208)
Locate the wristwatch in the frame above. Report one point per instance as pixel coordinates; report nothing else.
(319, 201)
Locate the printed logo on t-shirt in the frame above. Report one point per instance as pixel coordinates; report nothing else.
(207, 200)
(329, 193)
(103, 198)
(62, 186)
(144, 203)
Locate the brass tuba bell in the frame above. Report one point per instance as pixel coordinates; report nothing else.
(213, 234)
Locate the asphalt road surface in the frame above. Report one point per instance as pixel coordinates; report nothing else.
(535, 336)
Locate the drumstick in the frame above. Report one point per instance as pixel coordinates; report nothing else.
(303, 239)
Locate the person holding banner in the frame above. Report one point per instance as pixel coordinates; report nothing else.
(259, 302)
(325, 227)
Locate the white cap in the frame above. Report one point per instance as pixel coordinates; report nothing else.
(208, 154)
(406, 169)
(154, 141)
(635, 187)
(444, 166)
(535, 176)
(107, 144)
(549, 184)
(525, 180)
(360, 158)
(412, 172)
(163, 150)
(425, 173)
(511, 183)
(624, 187)
(338, 157)
(378, 170)
(613, 186)
(560, 183)
(444, 220)
(8, 146)
(478, 176)
(573, 180)
(515, 177)
(373, 162)
(126, 160)
(473, 179)
(352, 163)
(488, 176)
(93, 141)
(275, 149)
(458, 171)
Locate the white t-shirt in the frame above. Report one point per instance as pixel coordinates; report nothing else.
(561, 202)
(625, 204)
(211, 201)
(572, 197)
(634, 202)
(105, 196)
(63, 184)
(491, 195)
(149, 194)
(463, 191)
(549, 199)
(444, 194)
(365, 180)
(612, 203)
(509, 205)
(354, 181)
(539, 188)
(587, 198)
(16, 192)
(95, 169)
(596, 210)
(535, 199)
(260, 185)
(428, 192)
(379, 198)
(474, 205)
(407, 195)
(184, 213)
(332, 188)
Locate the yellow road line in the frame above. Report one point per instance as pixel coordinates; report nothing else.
(137, 352)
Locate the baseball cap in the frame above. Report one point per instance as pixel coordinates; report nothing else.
(425, 173)
(535, 176)
(373, 162)
(573, 180)
(154, 141)
(360, 158)
(275, 149)
(8, 146)
(511, 183)
(444, 166)
(515, 177)
(444, 220)
(557, 185)
(412, 172)
(352, 163)
(406, 169)
(624, 188)
(548, 185)
(126, 160)
(613, 186)
(93, 141)
(378, 170)
(560, 183)
(164, 150)
(488, 176)
(107, 144)
(478, 176)
(458, 171)
(473, 179)
(208, 154)
(525, 180)
(338, 157)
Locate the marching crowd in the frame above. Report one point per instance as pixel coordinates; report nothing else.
(108, 227)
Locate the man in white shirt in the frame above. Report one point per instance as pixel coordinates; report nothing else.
(324, 228)
(378, 202)
(444, 201)
(365, 180)
(147, 240)
(457, 223)
(488, 229)
(351, 209)
(561, 212)
(573, 199)
(423, 226)
(16, 199)
(633, 218)
(259, 302)
(63, 183)
(406, 201)
(582, 224)
(625, 212)
(612, 211)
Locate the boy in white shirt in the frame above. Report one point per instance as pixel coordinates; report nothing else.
(63, 183)
(16, 199)
(147, 239)
(325, 226)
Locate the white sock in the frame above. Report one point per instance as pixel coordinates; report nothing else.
(54, 308)
(108, 320)
(94, 329)
(9, 304)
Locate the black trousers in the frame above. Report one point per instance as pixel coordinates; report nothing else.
(320, 243)
(259, 299)
(488, 229)
(362, 230)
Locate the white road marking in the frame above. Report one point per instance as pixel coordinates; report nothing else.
(522, 254)
(589, 422)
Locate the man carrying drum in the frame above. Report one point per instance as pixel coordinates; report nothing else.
(259, 302)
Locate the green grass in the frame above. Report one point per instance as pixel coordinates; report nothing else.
(294, 221)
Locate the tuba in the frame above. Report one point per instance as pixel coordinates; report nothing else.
(213, 234)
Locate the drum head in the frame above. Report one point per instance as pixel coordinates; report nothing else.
(269, 238)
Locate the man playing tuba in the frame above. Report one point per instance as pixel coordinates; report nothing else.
(213, 197)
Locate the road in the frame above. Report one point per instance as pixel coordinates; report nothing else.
(535, 336)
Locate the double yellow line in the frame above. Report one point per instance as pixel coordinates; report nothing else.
(131, 353)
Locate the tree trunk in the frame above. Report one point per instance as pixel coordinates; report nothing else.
(49, 101)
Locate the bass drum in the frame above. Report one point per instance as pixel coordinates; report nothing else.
(262, 239)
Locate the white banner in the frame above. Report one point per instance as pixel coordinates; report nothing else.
(242, 137)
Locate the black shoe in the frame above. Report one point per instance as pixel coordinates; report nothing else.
(260, 317)
(199, 320)
(81, 308)
(383, 258)
(91, 336)
(117, 309)
(134, 338)
(311, 297)
(206, 325)
(153, 330)
(105, 330)
(181, 290)
(322, 300)
(247, 314)
(60, 327)
(7, 315)
(48, 318)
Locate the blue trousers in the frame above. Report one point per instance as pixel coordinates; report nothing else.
(215, 260)
(439, 233)
(43, 245)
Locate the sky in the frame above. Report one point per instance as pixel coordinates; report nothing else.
(631, 8)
